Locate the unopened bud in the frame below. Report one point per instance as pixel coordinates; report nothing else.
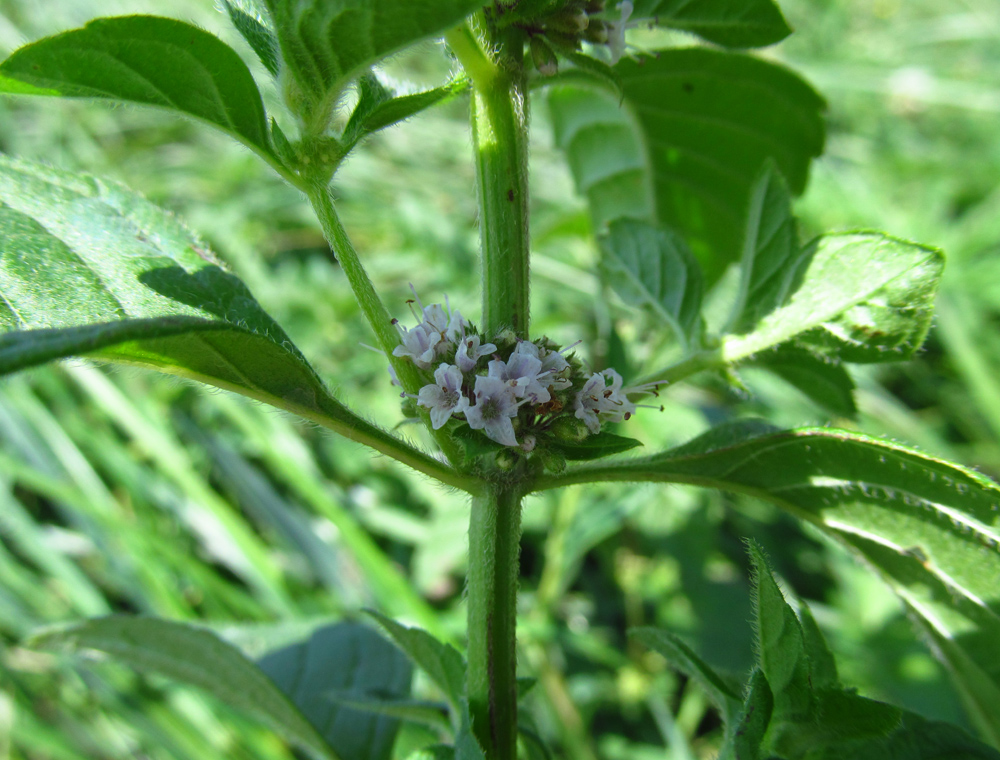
(570, 429)
(594, 6)
(506, 459)
(544, 57)
(571, 22)
(597, 32)
(552, 461)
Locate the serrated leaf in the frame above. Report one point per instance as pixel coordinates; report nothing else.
(250, 22)
(88, 268)
(731, 23)
(349, 659)
(822, 378)
(862, 297)
(682, 657)
(652, 268)
(441, 662)
(595, 446)
(780, 646)
(326, 43)
(770, 250)
(687, 143)
(148, 60)
(196, 657)
(378, 107)
(931, 528)
(823, 665)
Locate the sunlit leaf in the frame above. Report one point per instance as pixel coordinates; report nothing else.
(149, 60)
(731, 23)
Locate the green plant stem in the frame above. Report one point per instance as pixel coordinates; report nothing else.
(371, 305)
(494, 552)
(500, 142)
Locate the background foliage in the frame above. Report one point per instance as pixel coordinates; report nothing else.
(121, 491)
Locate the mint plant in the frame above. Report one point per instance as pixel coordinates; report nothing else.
(689, 158)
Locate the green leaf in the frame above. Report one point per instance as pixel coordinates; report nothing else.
(379, 107)
(929, 527)
(595, 446)
(780, 645)
(823, 666)
(441, 662)
(768, 269)
(196, 657)
(652, 268)
(730, 23)
(149, 60)
(862, 297)
(250, 22)
(88, 268)
(429, 714)
(748, 735)
(822, 378)
(682, 657)
(326, 43)
(687, 143)
(347, 659)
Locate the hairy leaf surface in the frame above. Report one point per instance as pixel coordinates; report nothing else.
(861, 297)
(731, 23)
(325, 43)
(650, 267)
(88, 268)
(149, 60)
(931, 528)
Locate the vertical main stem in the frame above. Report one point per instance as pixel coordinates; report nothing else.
(494, 553)
(500, 140)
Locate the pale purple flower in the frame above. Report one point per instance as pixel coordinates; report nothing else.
(444, 398)
(522, 372)
(597, 399)
(494, 408)
(419, 344)
(470, 352)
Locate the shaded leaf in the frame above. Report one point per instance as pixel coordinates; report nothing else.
(650, 267)
(770, 249)
(196, 657)
(822, 378)
(682, 657)
(731, 23)
(863, 297)
(414, 711)
(349, 659)
(595, 446)
(149, 60)
(687, 143)
(748, 735)
(780, 646)
(441, 662)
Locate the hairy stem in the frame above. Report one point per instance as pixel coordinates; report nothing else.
(494, 549)
(500, 142)
(370, 303)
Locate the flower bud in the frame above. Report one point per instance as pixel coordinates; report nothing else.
(569, 429)
(506, 459)
(597, 32)
(544, 57)
(551, 461)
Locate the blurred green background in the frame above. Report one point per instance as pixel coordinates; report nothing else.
(125, 491)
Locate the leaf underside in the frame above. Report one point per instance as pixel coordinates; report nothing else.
(731, 23)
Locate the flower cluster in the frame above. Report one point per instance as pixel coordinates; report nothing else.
(519, 393)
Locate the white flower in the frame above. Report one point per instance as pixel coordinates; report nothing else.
(522, 372)
(598, 398)
(616, 31)
(419, 344)
(445, 398)
(469, 352)
(495, 405)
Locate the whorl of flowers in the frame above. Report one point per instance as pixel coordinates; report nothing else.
(519, 393)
